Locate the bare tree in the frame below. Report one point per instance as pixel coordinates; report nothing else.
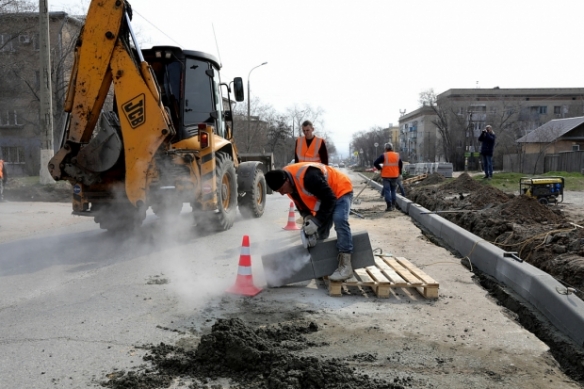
(299, 114)
(452, 128)
(364, 142)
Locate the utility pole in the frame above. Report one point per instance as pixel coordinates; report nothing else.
(45, 93)
(249, 102)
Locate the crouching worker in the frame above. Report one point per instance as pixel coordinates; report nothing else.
(323, 196)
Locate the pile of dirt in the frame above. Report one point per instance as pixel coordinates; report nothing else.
(541, 234)
(249, 358)
(432, 179)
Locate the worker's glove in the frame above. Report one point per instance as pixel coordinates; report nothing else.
(310, 225)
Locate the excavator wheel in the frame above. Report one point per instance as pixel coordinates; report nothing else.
(226, 192)
(253, 203)
(224, 217)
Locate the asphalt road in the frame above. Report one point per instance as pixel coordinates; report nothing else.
(77, 302)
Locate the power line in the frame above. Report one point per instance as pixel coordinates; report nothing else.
(153, 25)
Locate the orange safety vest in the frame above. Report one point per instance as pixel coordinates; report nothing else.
(1, 169)
(338, 181)
(390, 167)
(306, 153)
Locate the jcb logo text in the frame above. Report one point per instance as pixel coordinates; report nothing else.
(134, 111)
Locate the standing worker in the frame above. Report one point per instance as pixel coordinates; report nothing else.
(3, 178)
(390, 172)
(310, 148)
(323, 196)
(487, 139)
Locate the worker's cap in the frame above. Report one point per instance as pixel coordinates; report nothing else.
(275, 179)
(388, 146)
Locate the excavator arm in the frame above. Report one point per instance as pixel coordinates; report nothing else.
(103, 55)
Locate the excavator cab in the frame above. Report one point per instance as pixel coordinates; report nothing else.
(190, 88)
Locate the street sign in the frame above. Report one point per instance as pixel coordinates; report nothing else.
(375, 144)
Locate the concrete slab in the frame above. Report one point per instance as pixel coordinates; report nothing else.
(298, 264)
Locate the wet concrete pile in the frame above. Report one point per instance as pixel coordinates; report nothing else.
(250, 358)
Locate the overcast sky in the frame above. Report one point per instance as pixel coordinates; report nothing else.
(364, 61)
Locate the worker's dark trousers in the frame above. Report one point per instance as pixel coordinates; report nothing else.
(389, 189)
(340, 219)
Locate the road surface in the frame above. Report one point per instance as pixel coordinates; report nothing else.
(78, 302)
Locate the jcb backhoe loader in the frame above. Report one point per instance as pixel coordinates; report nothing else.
(167, 140)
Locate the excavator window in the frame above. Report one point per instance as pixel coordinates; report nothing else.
(198, 94)
(168, 76)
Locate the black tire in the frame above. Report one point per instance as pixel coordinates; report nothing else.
(543, 201)
(253, 204)
(226, 192)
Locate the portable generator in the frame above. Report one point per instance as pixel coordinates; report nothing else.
(545, 189)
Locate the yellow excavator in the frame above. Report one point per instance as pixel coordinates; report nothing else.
(167, 140)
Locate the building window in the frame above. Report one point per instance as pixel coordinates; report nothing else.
(5, 42)
(9, 119)
(477, 108)
(478, 126)
(539, 109)
(13, 155)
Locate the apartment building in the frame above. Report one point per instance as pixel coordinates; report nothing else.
(20, 83)
(418, 136)
(454, 121)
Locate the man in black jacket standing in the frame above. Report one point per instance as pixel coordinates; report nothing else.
(487, 139)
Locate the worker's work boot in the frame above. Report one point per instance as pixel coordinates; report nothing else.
(389, 207)
(345, 269)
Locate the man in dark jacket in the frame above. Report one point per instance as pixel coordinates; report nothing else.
(487, 139)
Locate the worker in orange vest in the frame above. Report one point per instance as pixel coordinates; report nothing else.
(3, 178)
(310, 148)
(323, 196)
(390, 173)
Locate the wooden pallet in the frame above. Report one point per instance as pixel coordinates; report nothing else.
(419, 177)
(388, 272)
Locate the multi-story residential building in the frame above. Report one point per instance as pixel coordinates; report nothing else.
(20, 83)
(457, 117)
(417, 136)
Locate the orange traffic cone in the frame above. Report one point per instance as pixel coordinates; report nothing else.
(291, 222)
(244, 281)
